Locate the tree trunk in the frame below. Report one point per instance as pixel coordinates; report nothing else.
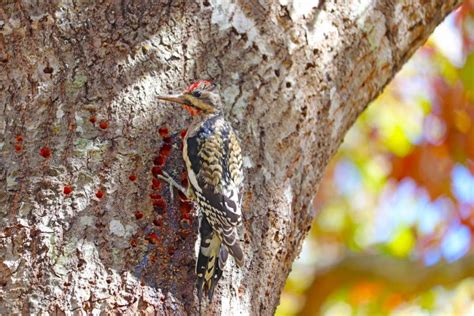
(83, 226)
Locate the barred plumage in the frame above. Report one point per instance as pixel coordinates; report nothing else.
(213, 160)
(212, 156)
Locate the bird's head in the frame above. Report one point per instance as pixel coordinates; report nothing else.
(200, 97)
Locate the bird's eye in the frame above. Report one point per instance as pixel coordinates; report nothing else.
(196, 93)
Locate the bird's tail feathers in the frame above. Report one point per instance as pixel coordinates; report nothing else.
(231, 241)
(211, 260)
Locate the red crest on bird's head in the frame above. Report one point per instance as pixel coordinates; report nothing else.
(201, 85)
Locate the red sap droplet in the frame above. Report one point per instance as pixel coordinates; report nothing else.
(159, 161)
(186, 216)
(159, 202)
(19, 138)
(155, 184)
(165, 150)
(184, 178)
(183, 133)
(152, 238)
(92, 119)
(18, 148)
(158, 221)
(67, 190)
(132, 177)
(185, 207)
(182, 197)
(103, 124)
(156, 171)
(138, 215)
(99, 194)
(155, 196)
(163, 131)
(45, 152)
(159, 205)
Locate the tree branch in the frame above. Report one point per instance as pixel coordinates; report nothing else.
(403, 276)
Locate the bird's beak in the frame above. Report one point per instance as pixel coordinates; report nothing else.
(173, 98)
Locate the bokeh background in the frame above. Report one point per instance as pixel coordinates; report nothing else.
(395, 224)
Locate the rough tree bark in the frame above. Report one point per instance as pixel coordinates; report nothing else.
(78, 87)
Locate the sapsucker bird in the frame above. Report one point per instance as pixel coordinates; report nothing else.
(213, 159)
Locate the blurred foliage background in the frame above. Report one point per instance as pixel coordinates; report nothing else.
(394, 228)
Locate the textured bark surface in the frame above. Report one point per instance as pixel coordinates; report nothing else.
(78, 109)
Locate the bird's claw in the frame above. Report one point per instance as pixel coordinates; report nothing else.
(166, 177)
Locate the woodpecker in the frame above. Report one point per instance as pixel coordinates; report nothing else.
(212, 154)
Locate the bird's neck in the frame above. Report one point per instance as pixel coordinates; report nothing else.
(204, 116)
(200, 118)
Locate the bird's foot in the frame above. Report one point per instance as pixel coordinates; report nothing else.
(166, 177)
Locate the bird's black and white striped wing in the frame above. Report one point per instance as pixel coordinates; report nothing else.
(216, 178)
